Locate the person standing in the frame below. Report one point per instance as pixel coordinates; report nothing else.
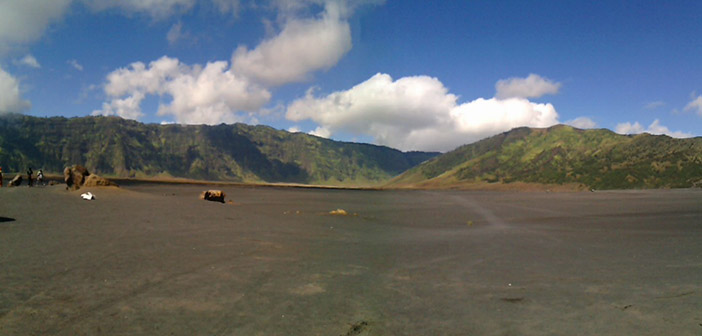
(0, 177)
(29, 176)
(40, 178)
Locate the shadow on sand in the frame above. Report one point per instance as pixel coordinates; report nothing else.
(6, 219)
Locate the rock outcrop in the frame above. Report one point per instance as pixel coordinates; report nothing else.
(16, 181)
(93, 180)
(213, 195)
(78, 176)
(75, 176)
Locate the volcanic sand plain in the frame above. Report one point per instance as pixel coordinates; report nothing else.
(153, 259)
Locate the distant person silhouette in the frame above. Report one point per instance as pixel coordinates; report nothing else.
(29, 176)
(40, 178)
(0, 177)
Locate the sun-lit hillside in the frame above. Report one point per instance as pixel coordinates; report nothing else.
(561, 154)
(116, 147)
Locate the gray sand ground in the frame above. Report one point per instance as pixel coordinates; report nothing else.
(156, 260)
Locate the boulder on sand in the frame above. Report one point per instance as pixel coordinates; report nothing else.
(16, 181)
(213, 195)
(75, 176)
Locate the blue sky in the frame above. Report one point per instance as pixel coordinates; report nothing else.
(414, 75)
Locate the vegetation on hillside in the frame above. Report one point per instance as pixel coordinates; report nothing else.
(561, 154)
(113, 146)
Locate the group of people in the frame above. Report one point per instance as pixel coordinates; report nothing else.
(30, 177)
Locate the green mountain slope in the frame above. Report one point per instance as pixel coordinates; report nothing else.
(561, 154)
(116, 147)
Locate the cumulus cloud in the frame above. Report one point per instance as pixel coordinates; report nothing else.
(222, 91)
(695, 105)
(582, 122)
(24, 21)
(208, 94)
(654, 128)
(10, 97)
(28, 60)
(416, 113)
(533, 86)
(128, 107)
(303, 46)
(629, 128)
(212, 95)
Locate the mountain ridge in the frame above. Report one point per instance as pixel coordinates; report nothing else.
(560, 155)
(556, 156)
(113, 146)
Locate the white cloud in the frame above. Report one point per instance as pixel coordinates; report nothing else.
(28, 60)
(128, 107)
(321, 132)
(416, 113)
(629, 128)
(211, 94)
(654, 128)
(657, 128)
(533, 86)
(654, 105)
(582, 122)
(158, 9)
(75, 64)
(10, 98)
(137, 77)
(346, 7)
(24, 21)
(294, 129)
(695, 105)
(219, 92)
(303, 46)
(176, 34)
(228, 6)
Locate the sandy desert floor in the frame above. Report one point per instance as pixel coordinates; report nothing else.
(153, 259)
